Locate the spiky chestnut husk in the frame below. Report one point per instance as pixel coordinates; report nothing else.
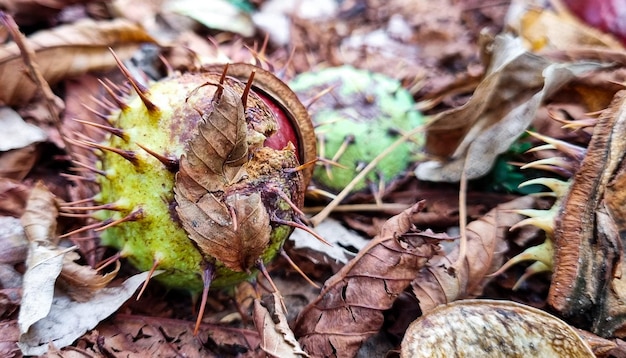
(140, 164)
(364, 114)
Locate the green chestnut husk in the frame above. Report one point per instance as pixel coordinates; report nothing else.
(149, 167)
(364, 113)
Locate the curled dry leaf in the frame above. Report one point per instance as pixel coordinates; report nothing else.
(470, 137)
(82, 282)
(435, 284)
(67, 51)
(40, 217)
(480, 328)
(232, 228)
(350, 306)
(270, 319)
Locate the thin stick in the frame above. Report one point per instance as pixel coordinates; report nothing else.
(462, 218)
(317, 219)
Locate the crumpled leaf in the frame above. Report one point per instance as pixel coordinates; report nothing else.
(481, 328)
(81, 282)
(16, 133)
(350, 306)
(68, 320)
(469, 138)
(44, 261)
(67, 51)
(235, 228)
(218, 150)
(435, 284)
(270, 319)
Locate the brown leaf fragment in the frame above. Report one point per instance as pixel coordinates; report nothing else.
(67, 51)
(436, 284)
(349, 307)
(40, 217)
(209, 223)
(82, 282)
(270, 318)
(218, 150)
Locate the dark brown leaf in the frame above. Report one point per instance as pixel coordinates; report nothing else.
(350, 306)
(270, 319)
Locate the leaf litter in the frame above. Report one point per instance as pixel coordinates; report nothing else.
(457, 67)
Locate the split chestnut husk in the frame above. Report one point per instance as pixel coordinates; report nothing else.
(201, 174)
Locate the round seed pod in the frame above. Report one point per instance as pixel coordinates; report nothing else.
(201, 174)
(363, 114)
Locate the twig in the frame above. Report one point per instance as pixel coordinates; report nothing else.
(317, 219)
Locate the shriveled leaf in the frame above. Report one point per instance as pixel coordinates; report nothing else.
(82, 282)
(40, 218)
(67, 51)
(218, 149)
(16, 133)
(435, 284)
(469, 138)
(232, 228)
(237, 240)
(350, 306)
(481, 328)
(270, 319)
(44, 261)
(14, 195)
(68, 320)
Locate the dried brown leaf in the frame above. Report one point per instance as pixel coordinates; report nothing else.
(232, 228)
(81, 282)
(350, 306)
(30, 12)
(40, 217)
(437, 284)
(218, 150)
(13, 197)
(67, 51)
(470, 137)
(270, 319)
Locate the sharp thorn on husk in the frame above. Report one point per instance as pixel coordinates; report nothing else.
(544, 223)
(246, 91)
(575, 152)
(534, 269)
(109, 261)
(113, 130)
(109, 206)
(133, 216)
(298, 269)
(170, 163)
(301, 227)
(129, 155)
(119, 103)
(142, 91)
(155, 264)
(560, 162)
(220, 88)
(94, 226)
(300, 167)
(95, 112)
(559, 187)
(207, 277)
(90, 168)
(287, 199)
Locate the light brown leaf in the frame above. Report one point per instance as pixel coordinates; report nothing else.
(218, 150)
(270, 319)
(81, 282)
(209, 223)
(435, 284)
(67, 51)
(40, 217)
(350, 306)
(470, 137)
